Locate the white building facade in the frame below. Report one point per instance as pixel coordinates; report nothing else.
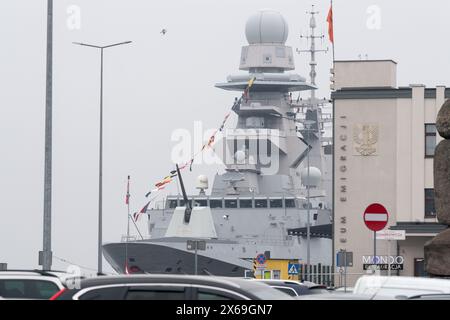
(384, 138)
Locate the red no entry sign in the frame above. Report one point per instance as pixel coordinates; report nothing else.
(376, 217)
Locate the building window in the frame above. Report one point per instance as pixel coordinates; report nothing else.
(430, 211)
(430, 140)
(277, 274)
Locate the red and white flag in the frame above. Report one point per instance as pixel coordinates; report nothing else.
(330, 24)
(137, 215)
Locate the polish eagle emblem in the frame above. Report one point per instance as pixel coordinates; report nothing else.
(365, 138)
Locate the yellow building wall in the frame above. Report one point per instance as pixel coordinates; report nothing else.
(274, 267)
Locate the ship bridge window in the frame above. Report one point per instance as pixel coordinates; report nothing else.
(245, 203)
(200, 203)
(215, 203)
(182, 203)
(230, 203)
(276, 203)
(289, 203)
(260, 203)
(173, 204)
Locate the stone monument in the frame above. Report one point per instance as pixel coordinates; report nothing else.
(437, 250)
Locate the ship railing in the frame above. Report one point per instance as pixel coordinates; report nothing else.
(126, 238)
(269, 241)
(259, 103)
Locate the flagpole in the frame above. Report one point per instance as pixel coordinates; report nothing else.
(332, 44)
(333, 135)
(128, 225)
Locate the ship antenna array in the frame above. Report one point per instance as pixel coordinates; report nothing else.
(311, 38)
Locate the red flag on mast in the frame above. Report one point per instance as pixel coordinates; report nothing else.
(136, 215)
(127, 197)
(330, 24)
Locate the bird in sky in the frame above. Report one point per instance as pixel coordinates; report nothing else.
(163, 31)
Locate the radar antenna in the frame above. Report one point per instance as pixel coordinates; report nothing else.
(312, 50)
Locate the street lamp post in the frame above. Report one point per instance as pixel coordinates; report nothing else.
(100, 175)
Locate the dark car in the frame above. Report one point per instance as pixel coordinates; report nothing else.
(170, 287)
(290, 287)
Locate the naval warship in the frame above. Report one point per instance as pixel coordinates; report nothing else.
(261, 203)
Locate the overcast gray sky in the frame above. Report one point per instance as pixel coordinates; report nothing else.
(152, 87)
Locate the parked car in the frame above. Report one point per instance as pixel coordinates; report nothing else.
(290, 287)
(401, 287)
(341, 296)
(170, 287)
(431, 297)
(316, 288)
(30, 284)
(343, 290)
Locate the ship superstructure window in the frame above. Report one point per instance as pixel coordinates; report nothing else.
(430, 140)
(200, 203)
(246, 203)
(276, 203)
(260, 203)
(230, 203)
(173, 204)
(215, 203)
(182, 203)
(430, 210)
(289, 203)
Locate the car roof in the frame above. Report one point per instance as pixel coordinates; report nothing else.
(251, 289)
(48, 273)
(149, 278)
(333, 296)
(376, 281)
(279, 281)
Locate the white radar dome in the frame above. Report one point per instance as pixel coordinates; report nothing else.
(202, 182)
(266, 26)
(240, 156)
(314, 177)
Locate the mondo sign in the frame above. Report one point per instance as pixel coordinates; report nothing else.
(376, 217)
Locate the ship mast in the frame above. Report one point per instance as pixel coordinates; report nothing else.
(310, 110)
(312, 37)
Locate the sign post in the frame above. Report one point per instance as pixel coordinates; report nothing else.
(391, 235)
(196, 245)
(376, 218)
(261, 263)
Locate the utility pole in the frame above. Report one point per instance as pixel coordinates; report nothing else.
(45, 256)
(100, 174)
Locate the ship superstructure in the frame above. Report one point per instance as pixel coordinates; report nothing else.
(260, 199)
